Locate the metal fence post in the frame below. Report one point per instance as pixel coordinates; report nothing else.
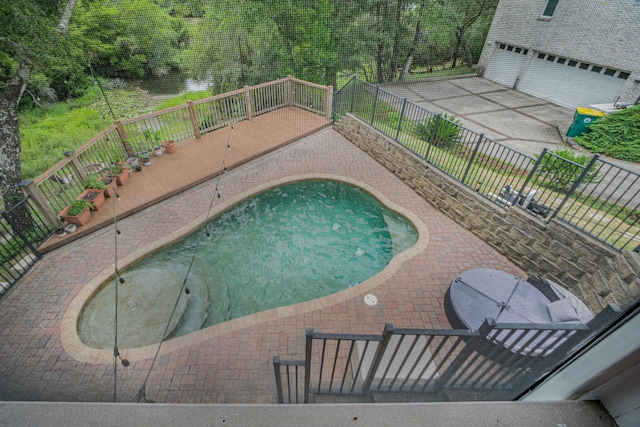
(307, 364)
(353, 94)
(373, 108)
(276, 370)
(575, 186)
(404, 105)
(432, 137)
(530, 176)
(389, 330)
(18, 232)
(473, 156)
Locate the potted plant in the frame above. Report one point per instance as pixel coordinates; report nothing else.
(94, 196)
(106, 184)
(170, 146)
(134, 163)
(144, 156)
(157, 150)
(121, 173)
(78, 212)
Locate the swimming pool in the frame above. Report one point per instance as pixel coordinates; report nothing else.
(290, 244)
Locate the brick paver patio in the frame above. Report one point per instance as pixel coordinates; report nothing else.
(231, 365)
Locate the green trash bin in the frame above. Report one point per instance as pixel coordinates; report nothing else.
(582, 119)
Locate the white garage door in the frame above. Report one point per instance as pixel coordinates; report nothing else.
(505, 64)
(571, 83)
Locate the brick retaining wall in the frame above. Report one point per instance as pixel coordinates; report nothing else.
(595, 272)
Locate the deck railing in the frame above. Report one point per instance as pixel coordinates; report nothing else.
(496, 362)
(599, 198)
(22, 230)
(57, 187)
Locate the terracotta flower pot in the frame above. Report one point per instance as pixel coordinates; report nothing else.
(123, 177)
(170, 146)
(111, 189)
(94, 196)
(80, 220)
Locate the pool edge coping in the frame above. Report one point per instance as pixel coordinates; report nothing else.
(74, 347)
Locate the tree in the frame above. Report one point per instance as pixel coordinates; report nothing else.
(390, 32)
(32, 35)
(308, 37)
(417, 39)
(232, 46)
(469, 11)
(127, 39)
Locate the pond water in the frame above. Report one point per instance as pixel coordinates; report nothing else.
(173, 83)
(290, 244)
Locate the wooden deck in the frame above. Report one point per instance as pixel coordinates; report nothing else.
(199, 160)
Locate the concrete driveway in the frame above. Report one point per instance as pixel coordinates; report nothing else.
(515, 119)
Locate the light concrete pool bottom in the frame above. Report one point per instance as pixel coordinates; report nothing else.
(76, 349)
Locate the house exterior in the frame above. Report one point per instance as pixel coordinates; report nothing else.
(574, 53)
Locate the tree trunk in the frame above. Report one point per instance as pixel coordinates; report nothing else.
(468, 56)
(379, 55)
(456, 50)
(417, 38)
(395, 53)
(10, 149)
(10, 152)
(63, 25)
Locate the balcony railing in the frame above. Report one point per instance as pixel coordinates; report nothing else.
(499, 361)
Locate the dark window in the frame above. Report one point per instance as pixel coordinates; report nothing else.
(541, 56)
(584, 66)
(551, 58)
(509, 48)
(572, 63)
(623, 75)
(502, 46)
(550, 8)
(518, 50)
(596, 69)
(524, 52)
(609, 72)
(561, 60)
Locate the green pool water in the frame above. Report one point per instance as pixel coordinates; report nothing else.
(290, 244)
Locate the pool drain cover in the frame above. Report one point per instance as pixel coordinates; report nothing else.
(370, 300)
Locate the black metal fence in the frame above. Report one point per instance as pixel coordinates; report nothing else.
(22, 230)
(591, 194)
(496, 362)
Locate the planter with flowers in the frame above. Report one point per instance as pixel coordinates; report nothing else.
(95, 197)
(78, 212)
(106, 184)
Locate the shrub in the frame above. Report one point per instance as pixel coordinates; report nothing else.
(616, 134)
(441, 129)
(564, 170)
(394, 121)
